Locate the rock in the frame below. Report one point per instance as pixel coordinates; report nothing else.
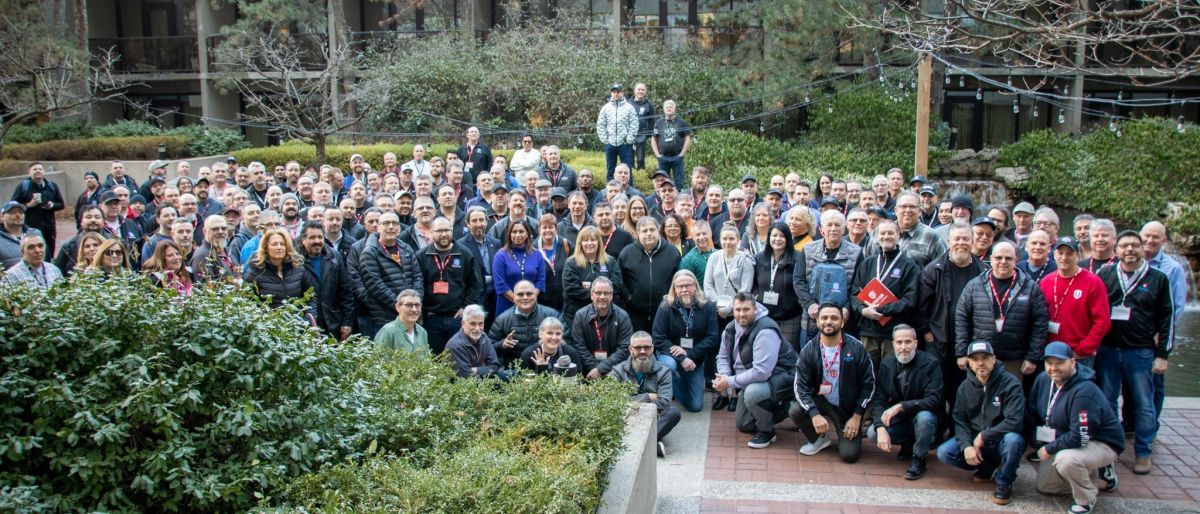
(1175, 210)
(1012, 177)
(960, 163)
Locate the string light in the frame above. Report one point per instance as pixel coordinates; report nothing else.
(829, 108)
(1010, 81)
(1035, 110)
(979, 94)
(947, 80)
(1016, 106)
(1062, 117)
(1180, 127)
(962, 81)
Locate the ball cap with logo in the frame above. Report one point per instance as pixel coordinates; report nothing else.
(980, 347)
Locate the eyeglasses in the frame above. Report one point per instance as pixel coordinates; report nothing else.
(410, 305)
(856, 220)
(601, 294)
(641, 348)
(1044, 223)
(522, 295)
(907, 207)
(1003, 258)
(389, 223)
(116, 252)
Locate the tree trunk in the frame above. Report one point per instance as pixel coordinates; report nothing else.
(318, 142)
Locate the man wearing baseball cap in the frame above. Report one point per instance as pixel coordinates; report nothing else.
(1077, 302)
(617, 128)
(988, 418)
(13, 214)
(1075, 428)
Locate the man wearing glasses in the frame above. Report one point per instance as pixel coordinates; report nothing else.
(919, 241)
(452, 281)
(212, 262)
(404, 334)
(653, 383)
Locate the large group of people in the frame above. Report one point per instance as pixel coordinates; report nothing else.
(926, 324)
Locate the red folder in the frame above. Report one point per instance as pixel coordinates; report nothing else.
(877, 292)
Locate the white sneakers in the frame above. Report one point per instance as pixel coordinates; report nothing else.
(814, 448)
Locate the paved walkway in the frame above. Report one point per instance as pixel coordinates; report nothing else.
(710, 469)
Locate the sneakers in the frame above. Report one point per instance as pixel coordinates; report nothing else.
(906, 453)
(720, 402)
(662, 449)
(1109, 475)
(1033, 456)
(815, 447)
(1079, 509)
(916, 469)
(983, 475)
(761, 440)
(1141, 465)
(1003, 494)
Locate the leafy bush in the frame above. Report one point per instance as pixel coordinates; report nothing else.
(210, 140)
(126, 128)
(1099, 171)
(730, 154)
(95, 149)
(49, 131)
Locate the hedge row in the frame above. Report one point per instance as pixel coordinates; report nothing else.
(96, 149)
(120, 396)
(125, 139)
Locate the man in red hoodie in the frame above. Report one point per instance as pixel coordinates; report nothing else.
(1078, 303)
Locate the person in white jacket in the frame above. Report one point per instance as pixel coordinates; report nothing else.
(617, 127)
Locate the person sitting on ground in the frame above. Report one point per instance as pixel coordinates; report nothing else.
(653, 383)
(542, 357)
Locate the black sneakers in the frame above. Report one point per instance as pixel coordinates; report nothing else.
(720, 402)
(662, 449)
(761, 440)
(1003, 494)
(983, 474)
(916, 469)
(1109, 475)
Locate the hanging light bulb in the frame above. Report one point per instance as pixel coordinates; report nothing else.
(731, 118)
(762, 127)
(1180, 127)
(947, 81)
(1062, 117)
(1016, 107)
(913, 85)
(829, 108)
(1120, 95)
(1010, 81)
(1112, 124)
(579, 140)
(1035, 111)
(806, 97)
(962, 81)
(1118, 132)
(979, 93)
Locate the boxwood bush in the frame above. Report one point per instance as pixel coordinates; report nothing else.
(118, 396)
(96, 149)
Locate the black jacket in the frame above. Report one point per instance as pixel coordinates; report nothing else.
(617, 241)
(669, 329)
(334, 302)
(575, 296)
(1081, 412)
(994, 409)
(788, 305)
(616, 330)
(937, 300)
(919, 389)
(40, 217)
(553, 296)
(480, 160)
(1152, 310)
(646, 277)
(465, 355)
(354, 278)
(385, 278)
(563, 349)
(524, 327)
(267, 282)
(856, 382)
(344, 246)
(1025, 319)
(463, 274)
(903, 281)
(565, 176)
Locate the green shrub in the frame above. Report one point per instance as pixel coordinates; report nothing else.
(1099, 171)
(210, 140)
(730, 154)
(126, 128)
(96, 149)
(49, 131)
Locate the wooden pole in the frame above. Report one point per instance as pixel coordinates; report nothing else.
(924, 76)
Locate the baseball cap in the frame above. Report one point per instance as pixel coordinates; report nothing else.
(775, 191)
(231, 209)
(929, 190)
(1058, 350)
(357, 156)
(1066, 241)
(231, 159)
(558, 192)
(616, 87)
(748, 177)
(157, 178)
(660, 172)
(202, 179)
(980, 347)
(407, 167)
(668, 181)
(542, 183)
(500, 187)
(137, 199)
(1024, 207)
(13, 204)
(158, 164)
(108, 196)
(984, 220)
(918, 178)
(829, 200)
(404, 192)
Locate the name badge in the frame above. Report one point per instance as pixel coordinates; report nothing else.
(999, 325)
(587, 285)
(825, 389)
(441, 287)
(600, 355)
(1121, 313)
(724, 301)
(1053, 327)
(1045, 434)
(770, 298)
(686, 342)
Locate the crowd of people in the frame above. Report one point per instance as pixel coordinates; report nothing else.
(926, 324)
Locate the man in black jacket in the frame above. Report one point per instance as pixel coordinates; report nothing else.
(1006, 308)
(334, 310)
(908, 396)
(1139, 342)
(646, 271)
(452, 280)
(896, 271)
(471, 352)
(600, 331)
(835, 381)
(988, 419)
(41, 198)
(517, 328)
(387, 266)
(685, 332)
(942, 282)
(483, 248)
(1079, 432)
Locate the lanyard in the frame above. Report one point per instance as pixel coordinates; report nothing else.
(1053, 398)
(609, 238)
(599, 332)
(1126, 285)
(1001, 300)
(728, 276)
(880, 270)
(42, 270)
(441, 265)
(521, 263)
(830, 364)
(774, 268)
(549, 258)
(688, 317)
(1058, 300)
(1096, 264)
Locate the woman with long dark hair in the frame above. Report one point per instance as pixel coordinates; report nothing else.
(515, 262)
(773, 269)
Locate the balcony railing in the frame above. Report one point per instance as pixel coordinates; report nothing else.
(163, 54)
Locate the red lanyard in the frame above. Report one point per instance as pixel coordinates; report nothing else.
(829, 364)
(441, 265)
(1058, 300)
(1000, 301)
(609, 238)
(599, 333)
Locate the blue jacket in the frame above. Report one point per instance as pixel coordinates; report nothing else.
(1081, 413)
(510, 267)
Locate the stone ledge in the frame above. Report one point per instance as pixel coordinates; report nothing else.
(632, 480)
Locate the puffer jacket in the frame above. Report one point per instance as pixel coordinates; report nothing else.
(1025, 319)
(384, 278)
(525, 327)
(267, 282)
(646, 277)
(617, 123)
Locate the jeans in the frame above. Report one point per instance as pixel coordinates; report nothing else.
(1131, 367)
(440, 329)
(848, 449)
(611, 153)
(639, 152)
(918, 430)
(687, 386)
(1003, 454)
(368, 328)
(673, 165)
(756, 408)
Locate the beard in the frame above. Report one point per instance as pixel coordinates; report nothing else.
(906, 358)
(642, 364)
(960, 257)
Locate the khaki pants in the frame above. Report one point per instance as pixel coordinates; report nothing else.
(1014, 368)
(879, 347)
(1073, 471)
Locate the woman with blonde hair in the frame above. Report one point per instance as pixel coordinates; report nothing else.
(167, 269)
(638, 208)
(277, 270)
(800, 224)
(85, 252)
(111, 259)
(589, 262)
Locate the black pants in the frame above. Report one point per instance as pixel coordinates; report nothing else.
(667, 419)
(848, 449)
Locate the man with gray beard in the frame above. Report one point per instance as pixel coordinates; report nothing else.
(211, 262)
(942, 282)
(653, 383)
(908, 398)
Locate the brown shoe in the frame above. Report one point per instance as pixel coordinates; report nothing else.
(1141, 465)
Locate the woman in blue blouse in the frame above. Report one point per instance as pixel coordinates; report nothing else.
(516, 262)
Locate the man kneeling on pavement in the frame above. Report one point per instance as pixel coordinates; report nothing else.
(908, 395)
(1078, 430)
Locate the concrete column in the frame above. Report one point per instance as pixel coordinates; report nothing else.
(615, 28)
(214, 105)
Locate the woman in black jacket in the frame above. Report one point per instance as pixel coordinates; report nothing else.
(773, 269)
(589, 262)
(277, 270)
